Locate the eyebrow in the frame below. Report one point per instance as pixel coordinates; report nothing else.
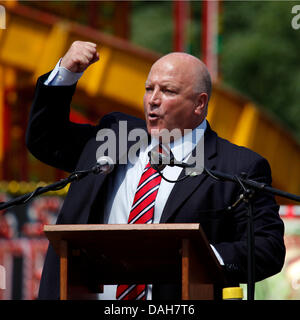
(164, 84)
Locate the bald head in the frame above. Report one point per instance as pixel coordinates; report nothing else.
(192, 67)
(178, 88)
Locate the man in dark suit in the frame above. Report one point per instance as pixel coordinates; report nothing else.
(176, 97)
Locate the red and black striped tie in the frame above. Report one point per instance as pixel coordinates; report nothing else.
(141, 212)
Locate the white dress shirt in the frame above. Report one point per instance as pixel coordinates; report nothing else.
(123, 187)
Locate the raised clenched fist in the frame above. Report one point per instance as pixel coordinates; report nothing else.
(80, 55)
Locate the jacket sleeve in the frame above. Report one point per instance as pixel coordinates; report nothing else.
(268, 233)
(50, 136)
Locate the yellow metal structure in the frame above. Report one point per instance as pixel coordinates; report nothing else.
(33, 43)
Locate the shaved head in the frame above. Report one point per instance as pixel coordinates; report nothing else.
(178, 88)
(193, 67)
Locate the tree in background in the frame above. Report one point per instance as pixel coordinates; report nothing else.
(259, 55)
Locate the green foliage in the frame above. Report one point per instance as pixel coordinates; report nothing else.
(152, 25)
(259, 55)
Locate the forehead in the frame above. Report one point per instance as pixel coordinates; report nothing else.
(174, 72)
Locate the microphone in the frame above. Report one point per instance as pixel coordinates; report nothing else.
(176, 163)
(160, 161)
(104, 165)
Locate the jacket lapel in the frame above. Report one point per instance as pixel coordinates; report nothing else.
(183, 189)
(98, 180)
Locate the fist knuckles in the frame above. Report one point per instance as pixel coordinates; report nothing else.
(80, 56)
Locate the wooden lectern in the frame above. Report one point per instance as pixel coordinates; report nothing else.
(93, 255)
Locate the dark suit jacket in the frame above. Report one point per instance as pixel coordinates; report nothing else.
(68, 146)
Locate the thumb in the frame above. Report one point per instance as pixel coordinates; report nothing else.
(95, 58)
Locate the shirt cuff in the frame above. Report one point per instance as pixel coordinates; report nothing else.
(217, 255)
(61, 76)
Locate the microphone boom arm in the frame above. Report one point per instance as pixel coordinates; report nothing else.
(251, 184)
(74, 176)
(249, 187)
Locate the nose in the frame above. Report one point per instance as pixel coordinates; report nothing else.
(155, 98)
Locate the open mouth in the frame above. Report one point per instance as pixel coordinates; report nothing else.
(153, 116)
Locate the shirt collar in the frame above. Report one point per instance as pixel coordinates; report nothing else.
(182, 147)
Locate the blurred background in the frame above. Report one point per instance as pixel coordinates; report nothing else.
(251, 49)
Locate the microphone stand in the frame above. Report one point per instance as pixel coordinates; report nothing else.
(249, 187)
(74, 176)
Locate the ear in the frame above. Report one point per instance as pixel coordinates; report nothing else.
(200, 106)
